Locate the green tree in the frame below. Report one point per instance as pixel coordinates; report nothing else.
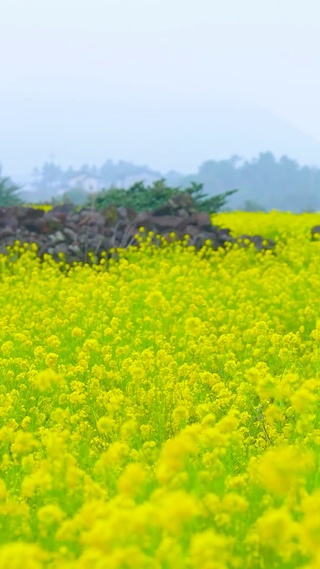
(137, 196)
(142, 198)
(8, 192)
(212, 204)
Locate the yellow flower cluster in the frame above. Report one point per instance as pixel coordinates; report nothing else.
(163, 413)
(44, 207)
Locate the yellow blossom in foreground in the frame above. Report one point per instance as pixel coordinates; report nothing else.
(23, 443)
(15, 555)
(50, 514)
(278, 531)
(131, 480)
(209, 550)
(161, 408)
(284, 468)
(47, 379)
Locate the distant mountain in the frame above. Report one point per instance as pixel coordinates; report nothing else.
(187, 136)
(218, 130)
(168, 135)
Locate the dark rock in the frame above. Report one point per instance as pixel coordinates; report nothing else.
(98, 244)
(107, 231)
(50, 223)
(165, 209)
(202, 219)
(142, 218)
(6, 232)
(75, 249)
(167, 221)
(93, 219)
(168, 237)
(61, 248)
(183, 200)
(223, 236)
(122, 224)
(24, 214)
(70, 225)
(60, 212)
(57, 237)
(73, 220)
(77, 233)
(93, 230)
(127, 213)
(259, 242)
(183, 213)
(83, 239)
(70, 234)
(315, 231)
(110, 215)
(193, 230)
(199, 240)
(66, 209)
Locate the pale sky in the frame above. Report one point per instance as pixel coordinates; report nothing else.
(153, 81)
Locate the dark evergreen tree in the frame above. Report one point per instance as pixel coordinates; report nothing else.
(8, 192)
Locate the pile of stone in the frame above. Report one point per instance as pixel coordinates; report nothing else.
(78, 233)
(315, 232)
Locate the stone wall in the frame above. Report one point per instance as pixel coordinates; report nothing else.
(76, 233)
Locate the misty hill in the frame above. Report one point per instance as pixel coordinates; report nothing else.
(216, 130)
(165, 133)
(51, 181)
(263, 183)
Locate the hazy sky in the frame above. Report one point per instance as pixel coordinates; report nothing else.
(151, 81)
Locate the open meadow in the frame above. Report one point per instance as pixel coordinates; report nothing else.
(164, 413)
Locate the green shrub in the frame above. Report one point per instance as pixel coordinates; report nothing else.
(142, 198)
(8, 192)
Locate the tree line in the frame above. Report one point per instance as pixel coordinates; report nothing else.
(263, 183)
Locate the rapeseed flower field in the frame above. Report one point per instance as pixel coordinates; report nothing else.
(163, 413)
